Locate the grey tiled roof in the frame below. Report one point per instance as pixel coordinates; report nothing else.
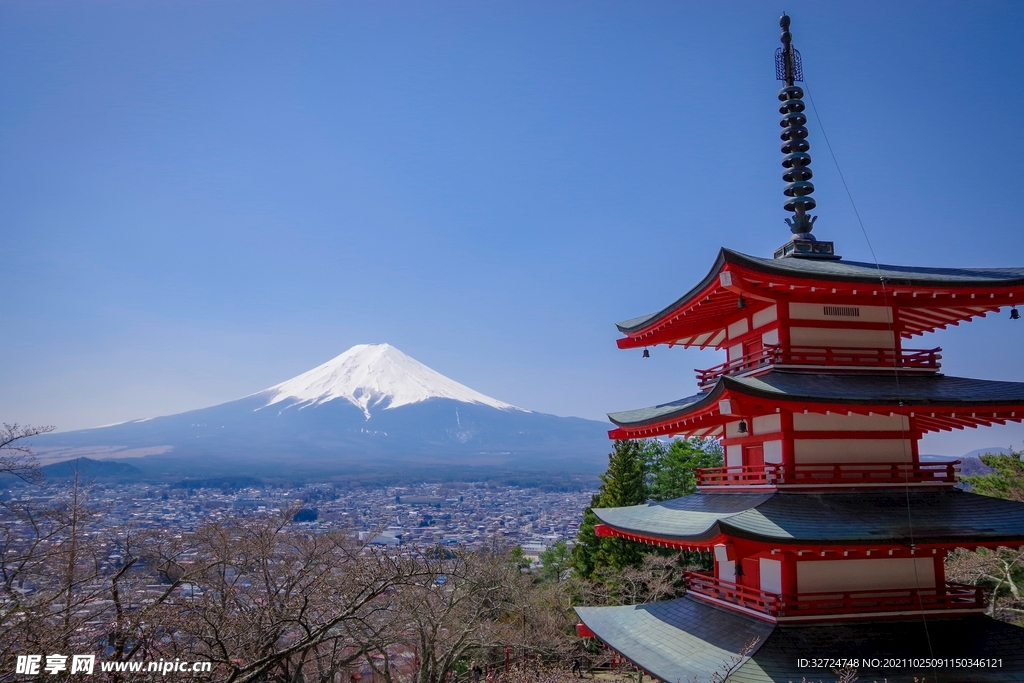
(887, 388)
(831, 518)
(676, 640)
(642, 416)
(843, 271)
(868, 272)
(975, 637)
(683, 640)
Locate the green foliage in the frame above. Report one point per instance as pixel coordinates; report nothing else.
(1007, 479)
(518, 558)
(638, 471)
(671, 472)
(555, 561)
(1001, 569)
(624, 484)
(584, 553)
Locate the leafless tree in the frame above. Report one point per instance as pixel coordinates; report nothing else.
(657, 578)
(1001, 569)
(16, 457)
(262, 600)
(460, 602)
(53, 571)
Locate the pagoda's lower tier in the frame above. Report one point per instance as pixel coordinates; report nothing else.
(687, 640)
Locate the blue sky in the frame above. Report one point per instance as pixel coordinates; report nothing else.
(201, 199)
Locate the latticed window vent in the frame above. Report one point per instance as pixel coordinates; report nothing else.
(845, 311)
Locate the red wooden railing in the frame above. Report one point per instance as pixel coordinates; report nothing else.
(771, 356)
(947, 596)
(704, 583)
(854, 474)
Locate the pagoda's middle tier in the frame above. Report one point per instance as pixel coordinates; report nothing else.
(805, 430)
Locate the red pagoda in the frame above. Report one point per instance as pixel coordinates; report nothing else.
(828, 532)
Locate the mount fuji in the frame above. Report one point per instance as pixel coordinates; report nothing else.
(371, 411)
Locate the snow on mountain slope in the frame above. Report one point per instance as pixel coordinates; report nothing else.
(375, 375)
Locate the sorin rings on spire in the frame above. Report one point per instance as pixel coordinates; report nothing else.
(797, 162)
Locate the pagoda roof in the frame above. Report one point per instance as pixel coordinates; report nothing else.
(932, 400)
(685, 640)
(830, 519)
(676, 640)
(697, 317)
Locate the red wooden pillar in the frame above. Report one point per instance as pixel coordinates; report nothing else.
(788, 451)
(789, 574)
(940, 568)
(783, 316)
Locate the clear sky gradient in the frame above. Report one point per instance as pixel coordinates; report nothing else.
(201, 199)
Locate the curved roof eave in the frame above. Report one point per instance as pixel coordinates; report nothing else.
(635, 324)
(854, 518)
(666, 411)
(937, 391)
(837, 271)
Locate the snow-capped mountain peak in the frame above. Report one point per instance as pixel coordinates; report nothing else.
(375, 376)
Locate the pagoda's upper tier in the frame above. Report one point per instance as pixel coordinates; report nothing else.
(738, 286)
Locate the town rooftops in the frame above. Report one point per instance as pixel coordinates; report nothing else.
(685, 640)
(829, 519)
(949, 294)
(934, 402)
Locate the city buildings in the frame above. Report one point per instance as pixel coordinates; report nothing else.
(465, 514)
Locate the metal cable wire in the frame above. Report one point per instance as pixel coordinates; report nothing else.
(895, 361)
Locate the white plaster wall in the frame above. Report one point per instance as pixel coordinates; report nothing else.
(771, 575)
(868, 314)
(739, 327)
(773, 451)
(806, 422)
(735, 352)
(855, 575)
(770, 337)
(763, 317)
(851, 450)
(733, 455)
(836, 337)
(767, 424)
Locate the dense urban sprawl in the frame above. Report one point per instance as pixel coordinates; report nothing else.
(453, 514)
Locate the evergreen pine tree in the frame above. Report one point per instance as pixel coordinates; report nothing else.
(624, 484)
(672, 475)
(1006, 479)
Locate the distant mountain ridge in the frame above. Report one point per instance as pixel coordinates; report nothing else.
(369, 409)
(970, 463)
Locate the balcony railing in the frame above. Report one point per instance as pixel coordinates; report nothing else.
(770, 356)
(850, 474)
(831, 604)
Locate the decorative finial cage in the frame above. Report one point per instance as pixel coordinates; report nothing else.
(796, 162)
